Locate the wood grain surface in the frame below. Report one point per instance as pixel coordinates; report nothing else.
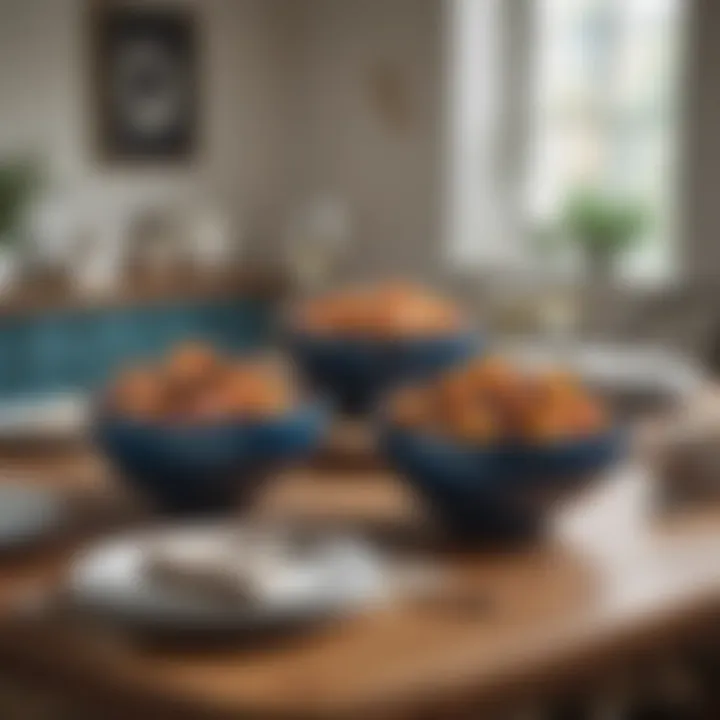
(611, 581)
(30, 297)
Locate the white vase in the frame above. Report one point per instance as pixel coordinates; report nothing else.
(9, 268)
(316, 237)
(213, 244)
(99, 262)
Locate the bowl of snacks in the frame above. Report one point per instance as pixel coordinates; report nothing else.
(356, 344)
(492, 447)
(199, 433)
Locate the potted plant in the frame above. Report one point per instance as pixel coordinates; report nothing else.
(18, 181)
(603, 227)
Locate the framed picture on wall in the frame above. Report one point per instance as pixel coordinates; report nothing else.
(146, 81)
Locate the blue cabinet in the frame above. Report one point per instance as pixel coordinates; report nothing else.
(79, 349)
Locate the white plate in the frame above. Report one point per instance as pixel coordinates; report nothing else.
(335, 576)
(60, 416)
(27, 514)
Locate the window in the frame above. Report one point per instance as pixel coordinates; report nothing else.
(587, 94)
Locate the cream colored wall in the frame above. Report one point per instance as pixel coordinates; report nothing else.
(289, 111)
(701, 144)
(44, 105)
(384, 161)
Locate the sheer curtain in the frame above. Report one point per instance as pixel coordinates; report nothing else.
(489, 52)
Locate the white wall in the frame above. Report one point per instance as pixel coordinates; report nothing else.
(290, 111)
(45, 105)
(701, 143)
(387, 167)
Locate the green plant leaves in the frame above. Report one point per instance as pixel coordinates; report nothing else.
(602, 224)
(18, 182)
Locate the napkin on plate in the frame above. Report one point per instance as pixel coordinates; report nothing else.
(266, 567)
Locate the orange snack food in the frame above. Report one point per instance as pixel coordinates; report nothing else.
(474, 424)
(196, 384)
(258, 390)
(545, 426)
(587, 416)
(139, 393)
(191, 363)
(411, 407)
(453, 388)
(212, 404)
(490, 400)
(390, 310)
(559, 385)
(494, 376)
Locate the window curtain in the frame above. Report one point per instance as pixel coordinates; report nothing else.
(490, 56)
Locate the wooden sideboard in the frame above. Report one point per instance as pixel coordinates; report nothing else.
(53, 339)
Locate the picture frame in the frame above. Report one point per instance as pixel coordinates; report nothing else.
(146, 95)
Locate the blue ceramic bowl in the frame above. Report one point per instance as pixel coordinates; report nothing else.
(356, 372)
(501, 493)
(207, 468)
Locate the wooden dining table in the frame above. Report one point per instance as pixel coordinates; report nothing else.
(615, 579)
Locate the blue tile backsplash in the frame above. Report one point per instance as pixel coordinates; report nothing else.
(80, 349)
